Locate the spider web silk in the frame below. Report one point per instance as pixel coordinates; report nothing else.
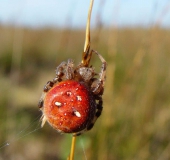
(31, 128)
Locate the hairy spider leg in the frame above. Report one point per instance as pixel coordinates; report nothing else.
(99, 110)
(70, 69)
(100, 82)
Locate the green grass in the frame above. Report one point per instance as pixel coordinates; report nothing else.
(135, 120)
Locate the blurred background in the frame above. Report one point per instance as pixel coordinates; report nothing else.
(133, 36)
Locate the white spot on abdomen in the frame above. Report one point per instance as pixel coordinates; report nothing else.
(58, 104)
(77, 114)
(79, 98)
(69, 93)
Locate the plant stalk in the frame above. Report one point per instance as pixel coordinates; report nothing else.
(87, 37)
(71, 157)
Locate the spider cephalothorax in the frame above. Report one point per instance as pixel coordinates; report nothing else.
(72, 101)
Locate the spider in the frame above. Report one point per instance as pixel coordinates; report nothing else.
(72, 101)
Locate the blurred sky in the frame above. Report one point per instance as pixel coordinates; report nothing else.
(73, 13)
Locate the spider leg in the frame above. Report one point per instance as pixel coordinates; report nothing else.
(98, 85)
(99, 110)
(70, 69)
(103, 67)
(43, 119)
(60, 72)
(48, 85)
(40, 103)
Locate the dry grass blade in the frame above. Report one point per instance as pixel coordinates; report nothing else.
(87, 37)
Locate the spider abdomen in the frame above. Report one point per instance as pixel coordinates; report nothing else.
(69, 106)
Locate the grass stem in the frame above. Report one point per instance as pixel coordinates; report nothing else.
(87, 38)
(71, 157)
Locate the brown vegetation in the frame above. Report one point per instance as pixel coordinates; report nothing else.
(135, 123)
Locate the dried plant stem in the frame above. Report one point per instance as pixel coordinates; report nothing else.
(71, 157)
(87, 38)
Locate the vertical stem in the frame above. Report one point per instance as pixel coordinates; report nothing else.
(86, 57)
(71, 157)
(87, 38)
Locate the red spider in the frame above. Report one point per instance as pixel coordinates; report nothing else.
(72, 101)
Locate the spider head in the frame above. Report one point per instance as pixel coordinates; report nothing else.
(86, 73)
